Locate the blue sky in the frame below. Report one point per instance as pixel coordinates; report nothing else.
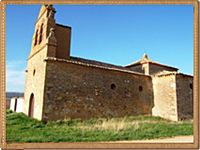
(117, 34)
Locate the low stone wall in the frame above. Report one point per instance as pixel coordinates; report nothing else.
(77, 91)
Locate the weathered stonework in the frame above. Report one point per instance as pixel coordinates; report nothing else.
(60, 86)
(165, 99)
(35, 83)
(184, 90)
(79, 91)
(173, 96)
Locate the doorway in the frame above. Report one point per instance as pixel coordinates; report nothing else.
(31, 106)
(15, 107)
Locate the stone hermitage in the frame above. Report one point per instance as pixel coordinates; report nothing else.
(60, 86)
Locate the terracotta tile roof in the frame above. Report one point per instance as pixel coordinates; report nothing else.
(63, 26)
(168, 73)
(93, 63)
(89, 61)
(145, 59)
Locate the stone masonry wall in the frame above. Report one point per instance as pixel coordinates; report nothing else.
(165, 97)
(63, 36)
(184, 85)
(35, 83)
(77, 91)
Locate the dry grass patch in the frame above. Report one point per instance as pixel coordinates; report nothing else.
(112, 125)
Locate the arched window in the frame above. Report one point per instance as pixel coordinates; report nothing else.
(41, 31)
(36, 37)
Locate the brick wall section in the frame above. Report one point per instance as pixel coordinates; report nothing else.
(165, 97)
(184, 85)
(76, 91)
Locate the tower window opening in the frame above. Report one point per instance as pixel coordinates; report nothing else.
(36, 37)
(41, 31)
(33, 72)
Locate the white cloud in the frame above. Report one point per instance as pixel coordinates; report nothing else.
(15, 76)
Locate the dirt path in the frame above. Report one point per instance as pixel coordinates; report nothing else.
(176, 139)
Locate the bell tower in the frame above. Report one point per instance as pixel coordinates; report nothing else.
(48, 35)
(49, 40)
(43, 35)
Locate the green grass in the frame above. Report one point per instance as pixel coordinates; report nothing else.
(20, 128)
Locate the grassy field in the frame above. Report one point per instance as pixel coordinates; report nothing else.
(20, 128)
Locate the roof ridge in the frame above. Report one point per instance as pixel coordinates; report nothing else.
(142, 61)
(91, 60)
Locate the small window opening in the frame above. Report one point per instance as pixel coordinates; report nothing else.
(41, 31)
(140, 88)
(191, 86)
(113, 86)
(33, 72)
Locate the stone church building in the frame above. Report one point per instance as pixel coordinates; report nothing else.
(60, 86)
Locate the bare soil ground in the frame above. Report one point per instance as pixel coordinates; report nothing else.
(176, 139)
